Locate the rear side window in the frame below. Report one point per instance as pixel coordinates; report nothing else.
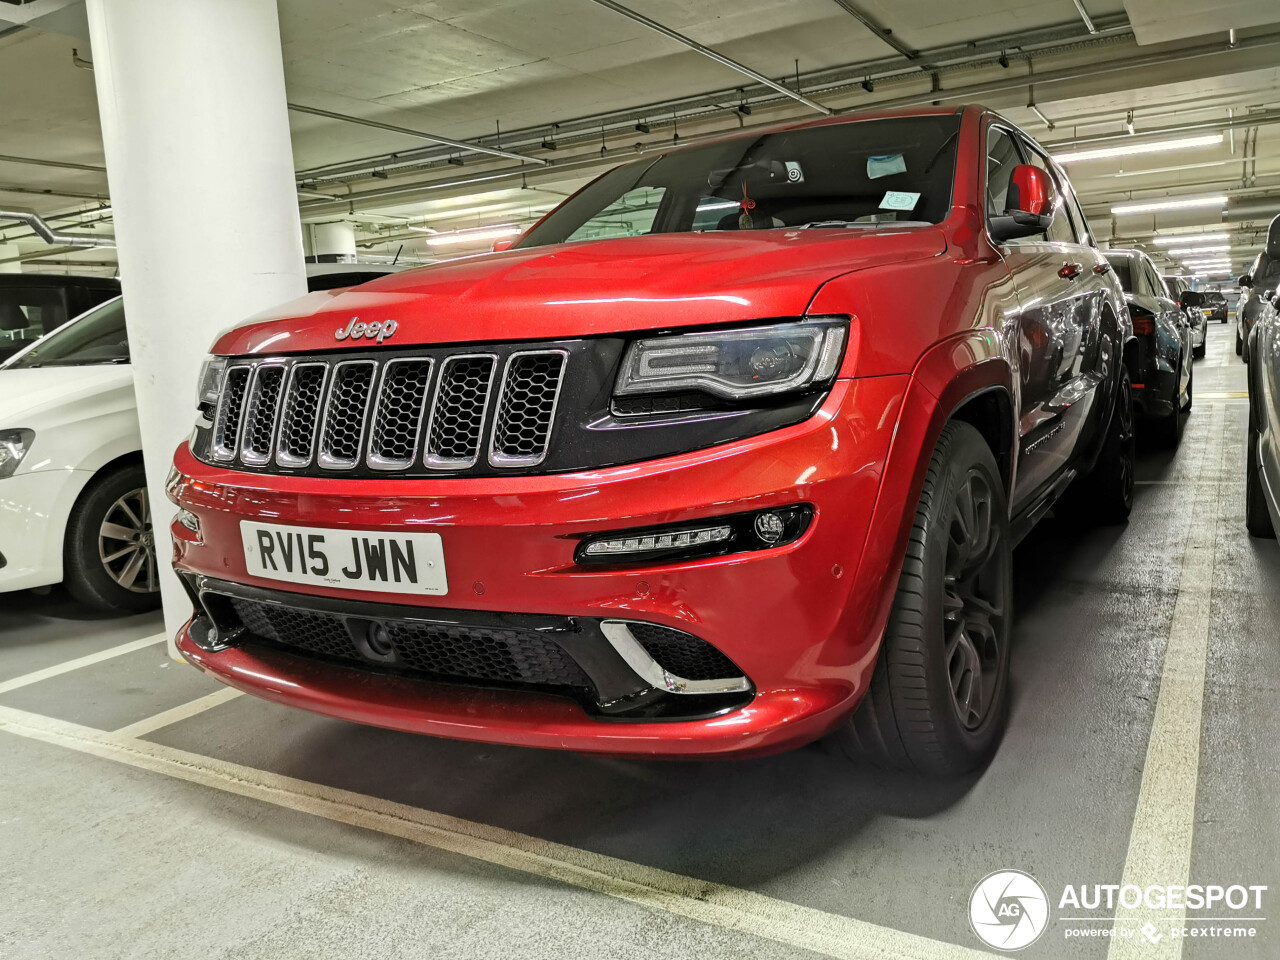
(27, 313)
(1002, 157)
(1122, 266)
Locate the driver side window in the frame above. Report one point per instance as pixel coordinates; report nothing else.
(1002, 157)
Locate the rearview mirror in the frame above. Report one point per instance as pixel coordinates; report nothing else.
(1031, 200)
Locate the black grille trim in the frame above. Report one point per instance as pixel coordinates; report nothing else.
(300, 414)
(527, 404)
(398, 411)
(455, 429)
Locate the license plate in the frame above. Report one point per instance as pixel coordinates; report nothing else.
(347, 559)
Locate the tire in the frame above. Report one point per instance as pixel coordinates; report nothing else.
(938, 699)
(1257, 518)
(1105, 495)
(1239, 343)
(109, 540)
(1198, 352)
(1167, 430)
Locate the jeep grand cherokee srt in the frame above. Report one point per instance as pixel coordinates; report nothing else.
(728, 453)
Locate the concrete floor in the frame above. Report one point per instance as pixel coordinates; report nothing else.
(248, 830)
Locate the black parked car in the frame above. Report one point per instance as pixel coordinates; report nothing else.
(1162, 371)
(33, 304)
(1256, 290)
(1216, 304)
(1192, 309)
(1262, 495)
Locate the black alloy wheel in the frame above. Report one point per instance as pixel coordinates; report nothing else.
(1105, 494)
(1167, 429)
(1257, 517)
(109, 559)
(939, 695)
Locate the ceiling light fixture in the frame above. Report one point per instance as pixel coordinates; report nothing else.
(1133, 149)
(1173, 239)
(1155, 205)
(1193, 252)
(474, 235)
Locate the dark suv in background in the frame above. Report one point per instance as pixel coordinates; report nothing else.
(31, 305)
(1216, 304)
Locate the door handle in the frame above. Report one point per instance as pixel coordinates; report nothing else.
(1069, 271)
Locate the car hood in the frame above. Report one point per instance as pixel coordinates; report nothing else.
(25, 393)
(579, 289)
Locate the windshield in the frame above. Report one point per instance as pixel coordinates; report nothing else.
(94, 337)
(857, 175)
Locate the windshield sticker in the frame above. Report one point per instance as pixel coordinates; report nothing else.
(794, 173)
(899, 200)
(885, 165)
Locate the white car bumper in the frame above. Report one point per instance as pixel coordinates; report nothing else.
(34, 508)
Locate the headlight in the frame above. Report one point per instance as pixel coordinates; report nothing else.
(736, 364)
(212, 374)
(14, 445)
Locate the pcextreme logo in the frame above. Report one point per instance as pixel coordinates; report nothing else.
(1008, 910)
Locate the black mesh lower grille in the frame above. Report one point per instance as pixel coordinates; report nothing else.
(443, 651)
(683, 655)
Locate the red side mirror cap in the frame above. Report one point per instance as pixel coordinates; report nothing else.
(1031, 191)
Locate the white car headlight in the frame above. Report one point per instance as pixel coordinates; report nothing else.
(14, 445)
(736, 364)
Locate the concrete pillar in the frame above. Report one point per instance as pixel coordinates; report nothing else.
(200, 165)
(7, 252)
(334, 243)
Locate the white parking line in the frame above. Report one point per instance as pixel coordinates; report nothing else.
(183, 712)
(85, 661)
(711, 903)
(1163, 826)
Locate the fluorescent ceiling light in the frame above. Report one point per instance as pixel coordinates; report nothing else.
(1174, 239)
(1155, 205)
(474, 235)
(1196, 251)
(1132, 149)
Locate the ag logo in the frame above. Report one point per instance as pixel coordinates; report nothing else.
(1008, 910)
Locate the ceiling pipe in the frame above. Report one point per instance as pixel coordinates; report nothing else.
(1084, 15)
(61, 164)
(1232, 123)
(48, 234)
(1252, 208)
(587, 161)
(444, 141)
(712, 55)
(881, 32)
(1045, 41)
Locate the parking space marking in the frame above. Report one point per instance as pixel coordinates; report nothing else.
(1163, 825)
(796, 926)
(181, 712)
(86, 661)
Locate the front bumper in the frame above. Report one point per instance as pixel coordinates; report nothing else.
(34, 508)
(802, 621)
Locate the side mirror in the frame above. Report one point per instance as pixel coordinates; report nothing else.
(1273, 238)
(1031, 201)
(506, 243)
(1246, 280)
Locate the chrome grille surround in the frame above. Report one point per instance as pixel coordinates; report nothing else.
(526, 407)
(418, 412)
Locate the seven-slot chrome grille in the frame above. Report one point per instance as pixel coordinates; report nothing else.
(444, 412)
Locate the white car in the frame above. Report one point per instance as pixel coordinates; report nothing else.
(73, 495)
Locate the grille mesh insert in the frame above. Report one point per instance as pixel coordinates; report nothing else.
(684, 655)
(301, 411)
(260, 414)
(529, 392)
(345, 413)
(458, 416)
(226, 426)
(444, 651)
(398, 416)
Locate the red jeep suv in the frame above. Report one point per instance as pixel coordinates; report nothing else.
(728, 453)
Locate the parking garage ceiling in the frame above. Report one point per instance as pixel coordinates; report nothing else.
(572, 86)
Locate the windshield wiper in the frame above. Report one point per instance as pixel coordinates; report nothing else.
(861, 225)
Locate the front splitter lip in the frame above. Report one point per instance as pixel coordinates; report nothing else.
(774, 721)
